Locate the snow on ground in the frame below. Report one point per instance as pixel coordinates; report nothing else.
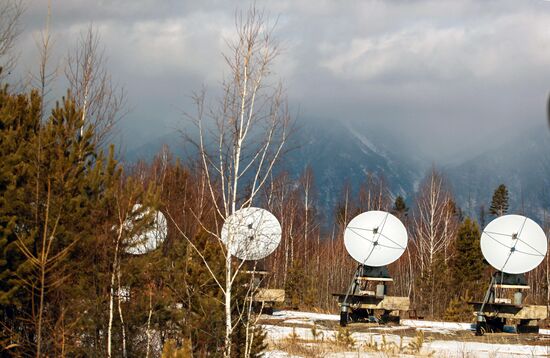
(276, 354)
(281, 329)
(478, 349)
(303, 316)
(439, 327)
(452, 326)
(308, 318)
(277, 333)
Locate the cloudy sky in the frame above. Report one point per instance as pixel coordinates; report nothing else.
(449, 76)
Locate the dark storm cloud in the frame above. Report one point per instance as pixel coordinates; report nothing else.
(444, 74)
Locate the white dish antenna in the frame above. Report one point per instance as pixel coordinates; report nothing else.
(513, 244)
(151, 238)
(375, 238)
(251, 233)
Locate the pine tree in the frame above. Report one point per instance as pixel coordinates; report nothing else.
(300, 289)
(53, 187)
(499, 204)
(467, 264)
(458, 308)
(431, 287)
(19, 123)
(400, 207)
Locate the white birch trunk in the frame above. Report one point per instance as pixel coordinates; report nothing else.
(112, 292)
(123, 327)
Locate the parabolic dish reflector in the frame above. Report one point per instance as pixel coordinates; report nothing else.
(375, 238)
(513, 244)
(149, 239)
(251, 233)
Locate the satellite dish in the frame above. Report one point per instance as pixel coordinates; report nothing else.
(151, 238)
(513, 244)
(251, 233)
(375, 238)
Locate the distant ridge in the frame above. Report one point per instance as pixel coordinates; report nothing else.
(345, 154)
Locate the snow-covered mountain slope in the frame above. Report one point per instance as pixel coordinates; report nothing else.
(345, 154)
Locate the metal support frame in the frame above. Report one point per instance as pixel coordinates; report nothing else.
(344, 306)
(354, 287)
(481, 321)
(500, 310)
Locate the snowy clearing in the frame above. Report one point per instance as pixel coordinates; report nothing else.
(290, 334)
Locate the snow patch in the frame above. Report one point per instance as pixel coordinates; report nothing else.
(276, 354)
(477, 349)
(312, 316)
(366, 142)
(454, 326)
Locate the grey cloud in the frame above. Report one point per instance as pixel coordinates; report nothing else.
(443, 74)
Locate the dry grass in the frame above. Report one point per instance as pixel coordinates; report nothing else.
(296, 346)
(343, 341)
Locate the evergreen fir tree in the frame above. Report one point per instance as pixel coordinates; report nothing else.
(499, 204)
(19, 124)
(400, 207)
(431, 287)
(467, 264)
(52, 185)
(300, 289)
(458, 308)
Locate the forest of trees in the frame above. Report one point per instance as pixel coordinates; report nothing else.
(68, 287)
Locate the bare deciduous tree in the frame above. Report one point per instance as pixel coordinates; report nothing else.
(374, 194)
(429, 218)
(240, 138)
(10, 13)
(46, 75)
(102, 101)
(433, 228)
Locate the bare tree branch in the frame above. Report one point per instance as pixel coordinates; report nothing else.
(103, 102)
(10, 13)
(242, 135)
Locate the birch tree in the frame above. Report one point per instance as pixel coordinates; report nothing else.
(241, 136)
(282, 201)
(433, 230)
(306, 183)
(374, 194)
(129, 221)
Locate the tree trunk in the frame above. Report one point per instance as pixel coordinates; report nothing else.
(149, 322)
(112, 292)
(123, 327)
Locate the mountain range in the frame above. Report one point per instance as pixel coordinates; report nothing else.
(345, 153)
